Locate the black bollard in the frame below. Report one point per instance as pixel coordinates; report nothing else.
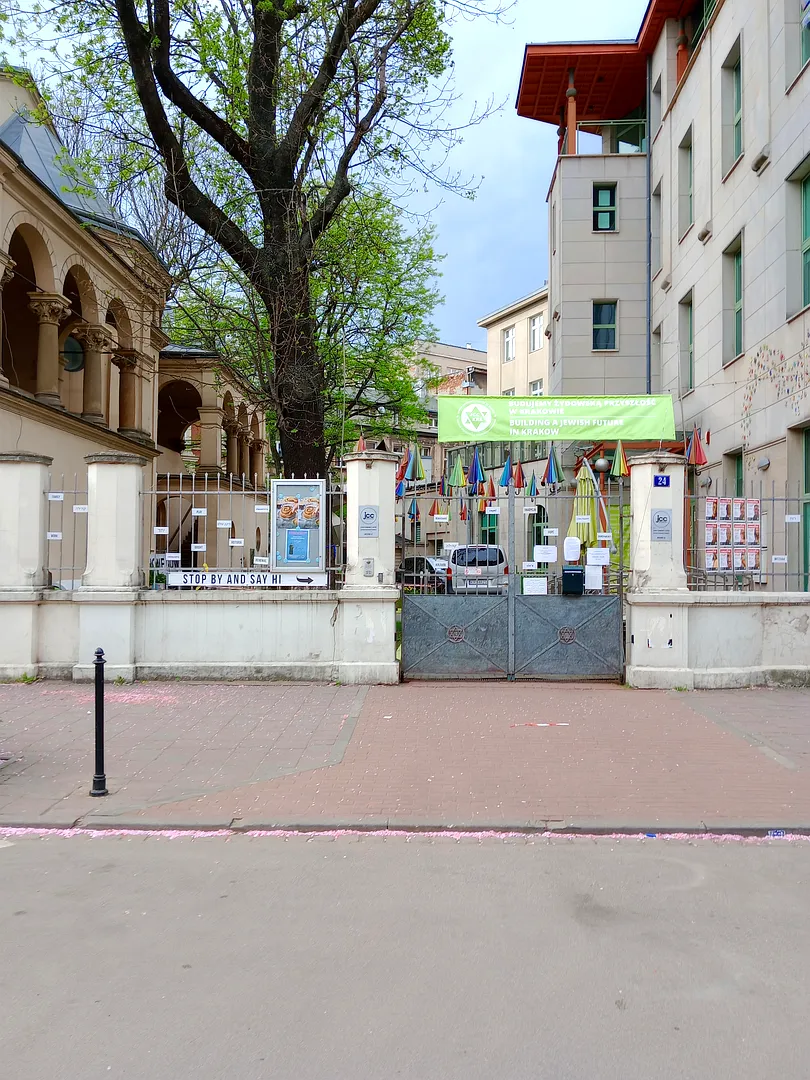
(99, 779)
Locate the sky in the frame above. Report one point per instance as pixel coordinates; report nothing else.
(496, 247)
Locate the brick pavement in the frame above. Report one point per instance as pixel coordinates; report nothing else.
(443, 754)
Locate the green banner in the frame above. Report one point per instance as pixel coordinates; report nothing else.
(512, 419)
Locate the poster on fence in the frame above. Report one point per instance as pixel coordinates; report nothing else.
(298, 530)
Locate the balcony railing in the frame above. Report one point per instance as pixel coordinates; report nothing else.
(612, 137)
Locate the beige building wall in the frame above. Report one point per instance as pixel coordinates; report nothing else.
(744, 400)
(530, 360)
(586, 266)
(452, 359)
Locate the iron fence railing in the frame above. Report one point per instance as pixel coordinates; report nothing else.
(66, 534)
(215, 522)
(746, 536)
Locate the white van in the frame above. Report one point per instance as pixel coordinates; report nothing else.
(478, 568)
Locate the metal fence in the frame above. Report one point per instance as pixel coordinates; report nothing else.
(66, 532)
(214, 522)
(747, 537)
(528, 530)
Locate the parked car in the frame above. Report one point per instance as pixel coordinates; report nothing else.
(478, 568)
(423, 573)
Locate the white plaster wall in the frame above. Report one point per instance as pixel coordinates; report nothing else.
(326, 636)
(527, 366)
(713, 640)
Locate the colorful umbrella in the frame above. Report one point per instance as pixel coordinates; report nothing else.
(415, 470)
(695, 454)
(475, 474)
(507, 472)
(518, 478)
(457, 477)
(361, 445)
(482, 506)
(435, 508)
(413, 510)
(491, 493)
(400, 489)
(463, 511)
(442, 487)
(553, 473)
(619, 468)
(584, 508)
(533, 486)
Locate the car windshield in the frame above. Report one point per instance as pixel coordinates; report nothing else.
(478, 556)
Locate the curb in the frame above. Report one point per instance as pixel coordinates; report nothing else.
(381, 826)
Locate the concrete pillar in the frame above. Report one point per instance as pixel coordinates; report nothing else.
(96, 342)
(657, 564)
(114, 532)
(23, 554)
(232, 448)
(6, 274)
(24, 520)
(571, 106)
(49, 308)
(371, 482)
(257, 462)
(210, 439)
(114, 565)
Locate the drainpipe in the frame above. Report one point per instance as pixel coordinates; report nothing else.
(649, 226)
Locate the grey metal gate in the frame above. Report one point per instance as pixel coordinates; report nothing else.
(519, 633)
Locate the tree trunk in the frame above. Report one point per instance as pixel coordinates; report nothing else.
(298, 374)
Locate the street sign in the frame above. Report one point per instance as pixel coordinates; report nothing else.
(244, 579)
(660, 480)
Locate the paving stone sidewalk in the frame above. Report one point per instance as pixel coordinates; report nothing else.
(465, 755)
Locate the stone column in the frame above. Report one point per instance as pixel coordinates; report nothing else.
(244, 456)
(6, 274)
(210, 439)
(656, 563)
(371, 482)
(232, 448)
(571, 106)
(114, 564)
(126, 362)
(49, 308)
(257, 462)
(96, 342)
(23, 556)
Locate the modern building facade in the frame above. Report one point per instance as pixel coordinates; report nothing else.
(679, 228)
(517, 347)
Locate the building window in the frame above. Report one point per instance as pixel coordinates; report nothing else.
(686, 210)
(604, 325)
(806, 241)
(805, 34)
(655, 230)
(732, 108)
(687, 343)
(509, 344)
(508, 393)
(604, 207)
(536, 388)
(739, 477)
(733, 301)
(535, 333)
(489, 529)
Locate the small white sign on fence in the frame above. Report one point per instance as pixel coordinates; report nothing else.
(529, 565)
(545, 553)
(161, 530)
(535, 586)
(54, 535)
(261, 508)
(56, 496)
(199, 511)
(492, 509)
(779, 560)
(793, 519)
(551, 532)
(261, 560)
(223, 524)
(597, 557)
(236, 541)
(198, 547)
(80, 508)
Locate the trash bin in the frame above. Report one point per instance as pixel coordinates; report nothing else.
(573, 580)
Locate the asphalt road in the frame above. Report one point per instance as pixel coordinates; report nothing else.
(158, 959)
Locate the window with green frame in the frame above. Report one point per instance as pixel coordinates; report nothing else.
(686, 332)
(604, 324)
(806, 241)
(489, 528)
(736, 73)
(604, 207)
(738, 303)
(739, 477)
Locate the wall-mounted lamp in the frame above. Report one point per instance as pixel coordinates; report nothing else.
(763, 464)
(601, 465)
(705, 482)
